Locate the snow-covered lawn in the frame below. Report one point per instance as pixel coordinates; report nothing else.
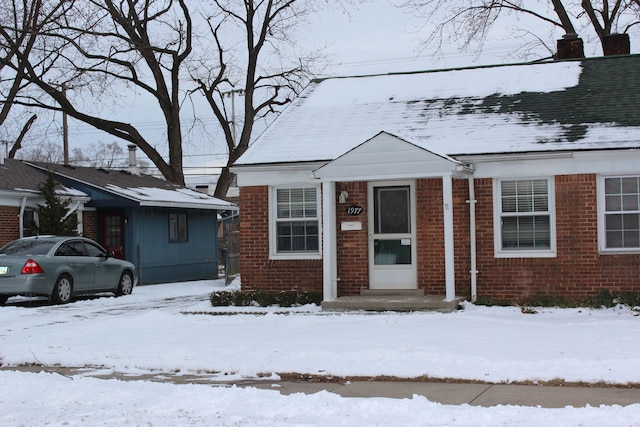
(153, 330)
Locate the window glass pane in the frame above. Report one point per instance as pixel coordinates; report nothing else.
(510, 232)
(508, 196)
(542, 232)
(310, 203)
(629, 185)
(622, 195)
(630, 239)
(630, 202)
(612, 186)
(613, 203)
(541, 203)
(614, 239)
(630, 221)
(613, 222)
(525, 204)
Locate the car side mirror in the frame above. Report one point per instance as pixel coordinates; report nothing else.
(111, 254)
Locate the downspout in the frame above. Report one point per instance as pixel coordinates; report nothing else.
(472, 237)
(21, 216)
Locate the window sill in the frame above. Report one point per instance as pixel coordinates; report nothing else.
(525, 254)
(295, 256)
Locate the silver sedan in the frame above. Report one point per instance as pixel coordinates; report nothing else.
(60, 268)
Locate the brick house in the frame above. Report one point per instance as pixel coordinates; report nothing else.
(507, 182)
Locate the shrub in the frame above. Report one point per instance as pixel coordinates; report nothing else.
(264, 298)
(603, 299)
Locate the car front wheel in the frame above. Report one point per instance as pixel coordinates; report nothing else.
(125, 285)
(62, 290)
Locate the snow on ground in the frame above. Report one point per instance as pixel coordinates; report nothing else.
(151, 331)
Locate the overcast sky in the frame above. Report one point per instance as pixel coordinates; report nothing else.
(375, 37)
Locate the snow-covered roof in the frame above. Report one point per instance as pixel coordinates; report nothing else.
(564, 105)
(145, 190)
(162, 197)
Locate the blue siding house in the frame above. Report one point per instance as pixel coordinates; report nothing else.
(168, 231)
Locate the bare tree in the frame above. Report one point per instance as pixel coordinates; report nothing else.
(21, 25)
(47, 151)
(102, 47)
(468, 22)
(262, 74)
(147, 46)
(100, 155)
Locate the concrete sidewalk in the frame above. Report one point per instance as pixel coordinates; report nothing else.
(441, 392)
(457, 393)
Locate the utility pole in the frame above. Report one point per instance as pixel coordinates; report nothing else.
(232, 94)
(65, 129)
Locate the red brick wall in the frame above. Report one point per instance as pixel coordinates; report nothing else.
(9, 224)
(257, 270)
(352, 246)
(578, 270)
(89, 224)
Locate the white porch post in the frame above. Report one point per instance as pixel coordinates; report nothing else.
(329, 248)
(447, 200)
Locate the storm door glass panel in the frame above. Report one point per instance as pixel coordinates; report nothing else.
(392, 210)
(392, 251)
(392, 217)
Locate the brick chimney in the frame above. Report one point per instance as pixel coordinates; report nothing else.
(616, 44)
(570, 46)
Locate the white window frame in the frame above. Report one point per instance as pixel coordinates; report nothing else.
(499, 252)
(273, 233)
(602, 231)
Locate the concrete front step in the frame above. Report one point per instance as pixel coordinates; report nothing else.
(392, 292)
(392, 303)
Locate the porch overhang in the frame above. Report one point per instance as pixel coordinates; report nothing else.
(381, 158)
(388, 157)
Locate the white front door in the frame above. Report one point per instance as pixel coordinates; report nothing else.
(392, 238)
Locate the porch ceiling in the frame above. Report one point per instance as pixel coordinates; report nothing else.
(386, 156)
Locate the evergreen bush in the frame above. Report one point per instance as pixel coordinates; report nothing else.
(264, 298)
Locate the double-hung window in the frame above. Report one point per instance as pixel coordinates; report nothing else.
(295, 222)
(621, 213)
(524, 217)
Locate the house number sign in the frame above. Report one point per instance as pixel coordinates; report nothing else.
(354, 210)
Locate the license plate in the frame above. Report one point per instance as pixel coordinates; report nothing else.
(3, 269)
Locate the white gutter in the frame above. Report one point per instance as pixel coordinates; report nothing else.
(472, 238)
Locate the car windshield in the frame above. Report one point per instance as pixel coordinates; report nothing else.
(27, 247)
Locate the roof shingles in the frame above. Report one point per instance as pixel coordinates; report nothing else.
(564, 105)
